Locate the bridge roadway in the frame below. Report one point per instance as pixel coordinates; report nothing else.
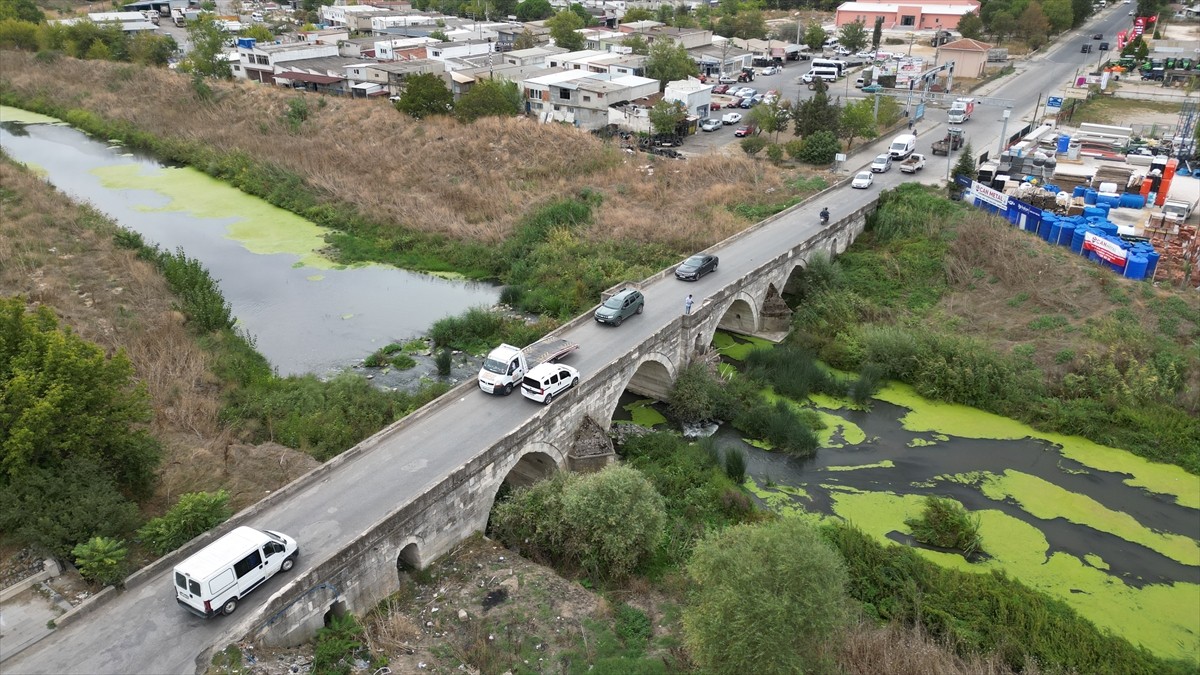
(142, 630)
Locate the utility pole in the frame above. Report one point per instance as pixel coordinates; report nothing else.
(1003, 132)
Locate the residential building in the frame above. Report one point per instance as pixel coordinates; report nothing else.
(582, 98)
(260, 62)
(403, 49)
(448, 51)
(393, 76)
(507, 37)
(721, 58)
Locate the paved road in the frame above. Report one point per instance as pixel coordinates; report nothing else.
(143, 631)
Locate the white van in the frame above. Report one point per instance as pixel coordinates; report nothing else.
(827, 74)
(213, 579)
(902, 146)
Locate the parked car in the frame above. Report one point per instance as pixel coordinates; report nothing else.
(872, 88)
(720, 89)
(548, 380)
(734, 102)
(863, 180)
(622, 305)
(771, 70)
(881, 163)
(731, 118)
(744, 130)
(696, 267)
(728, 79)
(746, 92)
(710, 124)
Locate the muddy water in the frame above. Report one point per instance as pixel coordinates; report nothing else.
(1114, 536)
(305, 313)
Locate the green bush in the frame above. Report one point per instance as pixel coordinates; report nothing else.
(195, 513)
(101, 559)
(633, 627)
(698, 394)
(768, 599)
(794, 148)
(198, 292)
(752, 145)
(983, 613)
(946, 524)
(775, 152)
(735, 465)
(338, 646)
(792, 371)
(606, 524)
(820, 148)
(444, 359)
(780, 426)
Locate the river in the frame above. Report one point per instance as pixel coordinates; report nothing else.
(1114, 536)
(305, 313)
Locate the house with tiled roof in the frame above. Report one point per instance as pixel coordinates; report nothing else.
(969, 56)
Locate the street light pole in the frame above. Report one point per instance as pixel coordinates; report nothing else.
(1003, 132)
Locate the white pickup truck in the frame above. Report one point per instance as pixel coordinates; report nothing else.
(913, 164)
(506, 365)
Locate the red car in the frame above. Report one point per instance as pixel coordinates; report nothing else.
(734, 102)
(744, 130)
(714, 106)
(720, 89)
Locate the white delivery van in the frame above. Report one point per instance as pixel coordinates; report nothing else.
(902, 146)
(215, 578)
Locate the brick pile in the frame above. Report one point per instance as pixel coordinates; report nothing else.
(1178, 248)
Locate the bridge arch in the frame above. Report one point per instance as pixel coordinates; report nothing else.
(740, 315)
(652, 376)
(536, 461)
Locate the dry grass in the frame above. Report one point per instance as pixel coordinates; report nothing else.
(893, 650)
(59, 254)
(470, 182)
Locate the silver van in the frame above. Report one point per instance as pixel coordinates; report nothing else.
(216, 577)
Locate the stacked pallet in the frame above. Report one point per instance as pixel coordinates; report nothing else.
(1115, 173)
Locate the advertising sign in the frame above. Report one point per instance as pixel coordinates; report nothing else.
(1105, 249)
(986, 194)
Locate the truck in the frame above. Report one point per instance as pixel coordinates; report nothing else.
(952, 141)
(913, 164)
(961, 110)
(178, 17)
(1178, 209)
(506, 365)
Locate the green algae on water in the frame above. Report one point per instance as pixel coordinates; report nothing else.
(885, 464)
(19, 116)
(643, 413)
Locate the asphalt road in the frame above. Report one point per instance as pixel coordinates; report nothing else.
(144, 631)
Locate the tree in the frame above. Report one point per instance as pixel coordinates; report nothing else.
(21, 10)
(584, 16)
(195, 513)
(207, 57)
(1033, 25)
(101, 559)
(526, 40)
(604, 523)
(666, 116)
(817, 113)
(16, 34)
(772, 117)
(425, 94)
(637, 44)
(439, 35)
(534, 10)
(814, 36)
(965, 165)
(1003, 25)
(1059, 14)
(562, 30)
(1081, 10)
(971, 26)
(637, 14)
(669, 61)
(877, 33)
(151, 50)
(746, 24)
(489, 98)
(853, 36)
(858, 121)
(259, 32)
(775, 616)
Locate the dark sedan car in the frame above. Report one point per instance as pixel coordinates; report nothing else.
(620, 306)
(696, 266)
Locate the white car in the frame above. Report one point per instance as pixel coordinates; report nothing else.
(548, 380)
(745, 92)
(771, 70)
(710, 124)
(863, 180)
(731, 118)
(881, 163)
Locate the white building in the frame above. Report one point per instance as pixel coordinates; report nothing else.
(695, 96)
(582, 98)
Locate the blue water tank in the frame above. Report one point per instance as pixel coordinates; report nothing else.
(1064, 141)
(1077, 239)
(1043, 230)
(1135, 267)
(1151, 263)
(1132, 200)
(1108, 200)
(1066, 234)
(1089, 197)
(246, 43)
(1051, 188)
(1109, 229)
(1052, 233)
(1094, 212)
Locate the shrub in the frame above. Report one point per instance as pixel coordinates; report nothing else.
(775, 152)
(779, 425)
(698, 394)
(752, 145)
(794, 148)
(820, 148)
(633, 627)
(444, 360)
(735, 465)
(946, 524)
(194, 514)
(773, 616)
(338, 646)
(101, 559)
(791, 371)
(604, 523)
(869, 380)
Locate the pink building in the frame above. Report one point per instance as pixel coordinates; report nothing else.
(943, 15)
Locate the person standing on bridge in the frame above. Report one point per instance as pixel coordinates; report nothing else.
(687, 304)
